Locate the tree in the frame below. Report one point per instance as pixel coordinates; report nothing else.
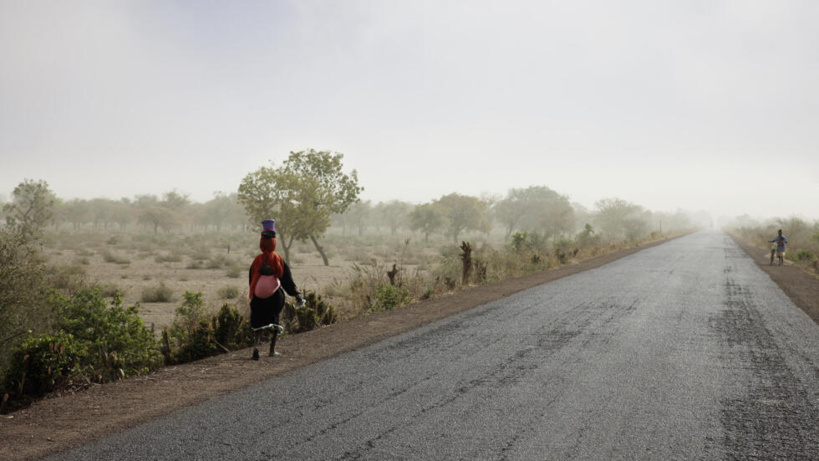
(301, 195)
(535, 209)
(22, 304)
(426, 218)
(122, 213)
(222, 210)
(462, 212)
(166, 214)
(618, 218)
(354, 218)
(394, 214)
(30, 208)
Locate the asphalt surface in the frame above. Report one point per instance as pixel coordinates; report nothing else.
(681, 351)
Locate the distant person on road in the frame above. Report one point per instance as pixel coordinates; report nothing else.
(781, 244)
(269, 279)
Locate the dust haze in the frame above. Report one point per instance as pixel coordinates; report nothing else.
(703, 107)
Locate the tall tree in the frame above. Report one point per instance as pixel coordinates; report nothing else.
(463, 212)
(301, 195)
(618, 218)
(75, 211)
(30, 208)
(535, 209)
(222, 210)
(426, 218)
(394, 214)
(355, 218)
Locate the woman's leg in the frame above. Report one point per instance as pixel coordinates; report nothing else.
(278, 305)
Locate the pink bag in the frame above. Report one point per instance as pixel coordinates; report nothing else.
(266, 286)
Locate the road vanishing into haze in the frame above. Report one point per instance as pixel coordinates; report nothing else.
(685, 350)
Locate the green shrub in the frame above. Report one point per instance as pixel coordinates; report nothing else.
(390, 296)
(157, 294)
(228, 292)
(22, 304)
(191, 335)
(198, 344)
(315, 313)
(118, 343)
(43, 363)
(805, 257)
(231, 330)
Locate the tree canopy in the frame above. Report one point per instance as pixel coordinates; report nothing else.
(535, 209)
(300, 195)
(463, 212)
(31, 207)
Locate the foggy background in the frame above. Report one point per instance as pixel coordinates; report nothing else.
(698, 105)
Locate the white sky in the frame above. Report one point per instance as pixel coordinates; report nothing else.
(708, 105)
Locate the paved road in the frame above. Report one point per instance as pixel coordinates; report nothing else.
(681, 351)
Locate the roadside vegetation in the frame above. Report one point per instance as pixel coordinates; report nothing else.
(802, 235)
(62, 329)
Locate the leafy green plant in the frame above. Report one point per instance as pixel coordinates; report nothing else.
(43, 363)
(191, 335)
(22, 276)
(805, 257)
(231, 330)
(118, 343)
(389, 297)
(315, 313)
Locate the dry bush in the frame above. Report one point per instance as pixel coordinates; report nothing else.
(234, 271)
(157, 294)
(228, 292)
(113, 258)
(66, 279)
(172, 257)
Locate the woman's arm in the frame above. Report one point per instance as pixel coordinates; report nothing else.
(287, 282)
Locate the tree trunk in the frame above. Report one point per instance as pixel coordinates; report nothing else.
(286, 245)
(466, 257)
(320, 250)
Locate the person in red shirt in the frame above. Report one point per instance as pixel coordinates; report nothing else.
(269, 278)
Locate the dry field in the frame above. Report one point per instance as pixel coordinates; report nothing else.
(139, 264)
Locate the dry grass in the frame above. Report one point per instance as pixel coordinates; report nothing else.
(135, 264)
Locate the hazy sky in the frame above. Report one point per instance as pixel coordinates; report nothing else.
(669, 104)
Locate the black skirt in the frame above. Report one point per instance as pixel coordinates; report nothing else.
(265, 311)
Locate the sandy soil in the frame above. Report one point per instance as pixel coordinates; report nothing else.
(64, 421)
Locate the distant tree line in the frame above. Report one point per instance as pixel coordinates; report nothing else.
(33, 202)
(310, 193)
(535, 210)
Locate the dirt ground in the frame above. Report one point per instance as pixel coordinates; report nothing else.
(64, 421)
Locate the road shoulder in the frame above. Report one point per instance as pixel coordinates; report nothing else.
(801, 287)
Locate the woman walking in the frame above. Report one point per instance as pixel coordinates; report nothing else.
(269, 279)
